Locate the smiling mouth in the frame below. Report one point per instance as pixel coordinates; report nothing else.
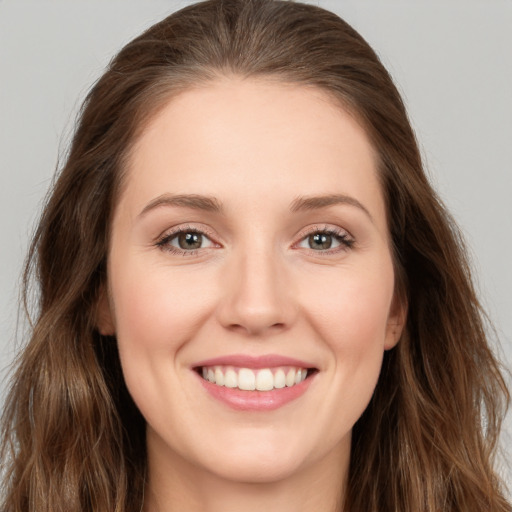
(249, 379)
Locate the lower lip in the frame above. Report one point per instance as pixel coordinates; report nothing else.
(256, 400)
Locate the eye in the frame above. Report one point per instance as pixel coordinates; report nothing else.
(185, 241)
(327, 240)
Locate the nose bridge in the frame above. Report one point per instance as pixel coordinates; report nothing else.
(256, 295)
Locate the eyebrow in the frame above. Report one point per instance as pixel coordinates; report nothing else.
(317, 202)
(194, 201)
(212, 204)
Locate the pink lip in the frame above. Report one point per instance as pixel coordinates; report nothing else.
(255, 362)
(256, 400)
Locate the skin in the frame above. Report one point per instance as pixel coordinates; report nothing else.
(256, 286)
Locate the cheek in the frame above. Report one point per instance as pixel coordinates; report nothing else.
(158, 304)
(158, 310)
(347, 311)
(351, 315)
(351, 309)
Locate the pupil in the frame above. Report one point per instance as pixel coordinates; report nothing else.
(189, 240)
(320, 241)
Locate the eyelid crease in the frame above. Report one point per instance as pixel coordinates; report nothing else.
(325, 228)
(187, 228)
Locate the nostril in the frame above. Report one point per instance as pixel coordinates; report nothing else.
(256, 327)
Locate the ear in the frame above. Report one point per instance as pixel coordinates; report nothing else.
(396, 321)
(104, 317)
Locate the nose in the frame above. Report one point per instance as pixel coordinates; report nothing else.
(257, 295)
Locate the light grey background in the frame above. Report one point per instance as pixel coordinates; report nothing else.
(452, 60)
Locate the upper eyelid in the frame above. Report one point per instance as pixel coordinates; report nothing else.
(328, 228)
(170, 232)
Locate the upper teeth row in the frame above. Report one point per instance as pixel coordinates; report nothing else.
(264, 379)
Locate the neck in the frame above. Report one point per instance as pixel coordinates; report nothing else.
(177, 485)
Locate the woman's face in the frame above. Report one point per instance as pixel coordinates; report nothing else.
(249, 245)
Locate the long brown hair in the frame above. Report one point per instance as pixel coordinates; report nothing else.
(72, 438)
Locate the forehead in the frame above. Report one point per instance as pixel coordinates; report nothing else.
(252, 139)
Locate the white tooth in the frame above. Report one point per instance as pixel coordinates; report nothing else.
(205, 373)
(290, 377)
(211, 375)
(304, 374)
(298, 376)
(279, 379)
(246, 379)
(264, 380)
(230, 378)
(219, 376)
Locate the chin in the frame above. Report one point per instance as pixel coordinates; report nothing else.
(264, 457)
(271, 469)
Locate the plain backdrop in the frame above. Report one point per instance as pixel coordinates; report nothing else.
(451, 59)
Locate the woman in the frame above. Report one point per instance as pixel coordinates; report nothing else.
(250, 295)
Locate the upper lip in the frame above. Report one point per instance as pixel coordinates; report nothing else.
(255, 362)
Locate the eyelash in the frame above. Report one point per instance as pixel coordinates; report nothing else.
(345, 240)
(340, 235)
(164, 242)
